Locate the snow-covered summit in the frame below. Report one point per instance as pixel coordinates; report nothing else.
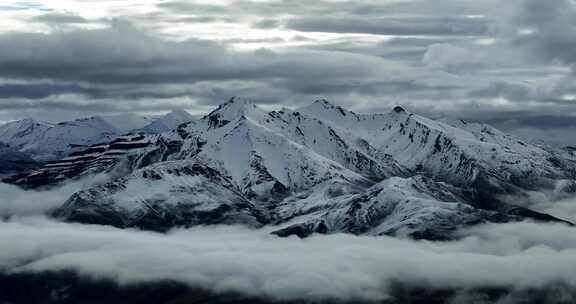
(168, 122)
(231, 110)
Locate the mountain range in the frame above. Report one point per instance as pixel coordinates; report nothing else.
(316, 169)
(43, 141)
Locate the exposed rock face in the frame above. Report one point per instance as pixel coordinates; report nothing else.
(319, 169)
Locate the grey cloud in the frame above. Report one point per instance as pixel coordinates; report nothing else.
(420, 41)
(195, 8)
(409, 50)
(267, 24)
(374, 88)
(42, 90)
(558, 137)
(22, 5)
(554, 29)
(116, 62)
(156, 17)
(437, 73)
(122, 54)
(275, 8)
(539, 121)
(203, 19)
(509, 91)
(56, 18)
(364, 8)
(421, 26)
(117, 54)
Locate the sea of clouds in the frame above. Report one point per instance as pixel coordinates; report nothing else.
(230, 258)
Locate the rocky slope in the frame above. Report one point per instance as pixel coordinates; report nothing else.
(316, 169)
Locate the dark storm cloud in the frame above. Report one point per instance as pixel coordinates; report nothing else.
(420, 26)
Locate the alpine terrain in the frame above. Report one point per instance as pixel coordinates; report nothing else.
(43, 141)
(316, 169)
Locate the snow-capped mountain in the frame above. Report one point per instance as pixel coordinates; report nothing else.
(167, 122)
(162, 196)
(415, 206)
(48, 142)
(458, 152)
(316, 169)
(44, 141)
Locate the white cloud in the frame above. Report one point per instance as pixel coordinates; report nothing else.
(522, 255)
(15, 201)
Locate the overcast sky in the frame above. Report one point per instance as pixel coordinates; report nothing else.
(509, 63)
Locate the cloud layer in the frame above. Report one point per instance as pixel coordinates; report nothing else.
(345, 267)
(15, 201)
(509, 63)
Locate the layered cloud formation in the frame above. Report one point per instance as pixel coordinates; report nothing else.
(509, 64)
(517, 257)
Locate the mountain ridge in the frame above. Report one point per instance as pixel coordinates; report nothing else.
(318, 169)
(45, 142)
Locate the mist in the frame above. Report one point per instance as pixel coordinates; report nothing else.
(343, 267)
(514, 256)
(16, 201)
(564, 208)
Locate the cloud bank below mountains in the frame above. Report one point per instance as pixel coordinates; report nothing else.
(15, 201)
(514, 256)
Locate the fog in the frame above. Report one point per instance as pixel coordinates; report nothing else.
(565, 208)
(522, 255)
(15, 201)
(514, 256)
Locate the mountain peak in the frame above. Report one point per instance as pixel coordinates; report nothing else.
(232, 109)
(323, 102)
(239, 103)
(324, 109)
(28, 121)
(168, 122)
(322, 105)
(179, 114)
(399, 109)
